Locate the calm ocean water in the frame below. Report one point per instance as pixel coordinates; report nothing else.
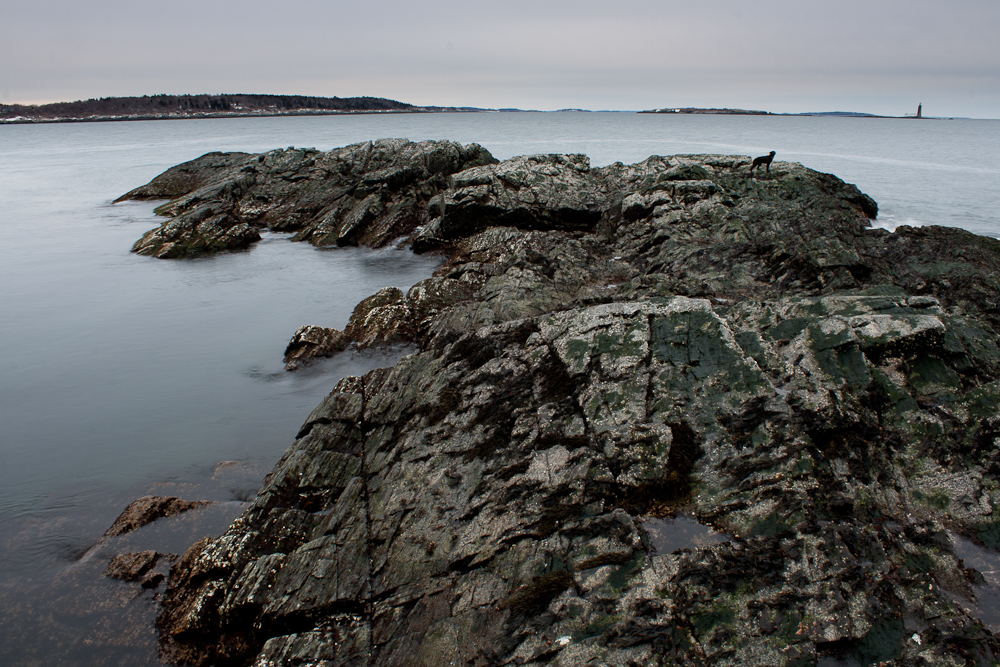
(123, 375)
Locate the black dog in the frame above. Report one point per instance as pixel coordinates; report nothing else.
(763, 159)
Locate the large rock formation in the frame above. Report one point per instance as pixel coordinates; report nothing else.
(368, 193)
(603, 346)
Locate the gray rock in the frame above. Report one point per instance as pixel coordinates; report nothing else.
(370, 193)
(131, 566)
(148, 509)
(190, 176)
(148, 568)
(310, 342)
(606, 345)
(531, 192)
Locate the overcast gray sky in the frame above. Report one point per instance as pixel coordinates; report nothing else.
(879, 56)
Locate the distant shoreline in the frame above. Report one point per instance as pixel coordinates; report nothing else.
(33, 120)
(754, 112)
(184, 107)
(180, 107)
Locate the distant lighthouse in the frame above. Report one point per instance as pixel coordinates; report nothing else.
(920, 110)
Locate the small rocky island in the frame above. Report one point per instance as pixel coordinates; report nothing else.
(603, 349)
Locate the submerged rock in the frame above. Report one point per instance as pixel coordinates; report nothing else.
(131, 566)
(601, 346)
(143, 567)
(147, 509)
(310, 342)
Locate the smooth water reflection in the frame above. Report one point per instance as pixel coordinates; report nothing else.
(670, 534)
(986, 562)
(123, 375)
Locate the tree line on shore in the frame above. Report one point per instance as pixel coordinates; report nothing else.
(191, 104)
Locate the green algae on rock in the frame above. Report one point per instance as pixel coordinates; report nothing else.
(600, 346)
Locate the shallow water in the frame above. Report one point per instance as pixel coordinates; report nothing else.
(172, 364)
(57, 607)
(123, 375)
(986, 605)
(667, 535)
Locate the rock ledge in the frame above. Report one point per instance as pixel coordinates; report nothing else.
(603, 345)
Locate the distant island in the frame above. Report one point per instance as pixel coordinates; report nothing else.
(162, 107)
(167, 107)
(696, 110)
(754, 112)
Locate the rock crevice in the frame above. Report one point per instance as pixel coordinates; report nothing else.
(603, 345)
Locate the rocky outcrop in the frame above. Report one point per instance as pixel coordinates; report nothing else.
(603, 346)
(386, 318)
(211, 168)
(370, 193)
(148, 568)
(310, 342)
(147, 509)
(530, 192)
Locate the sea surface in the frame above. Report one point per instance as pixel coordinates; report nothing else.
(123, 375)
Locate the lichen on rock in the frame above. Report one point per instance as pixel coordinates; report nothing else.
(602, 345)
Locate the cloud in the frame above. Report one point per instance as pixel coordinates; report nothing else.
(540, 54)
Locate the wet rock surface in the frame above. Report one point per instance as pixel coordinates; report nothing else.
(669, 534)
(147, 509)
(605, 345)
(140, 566)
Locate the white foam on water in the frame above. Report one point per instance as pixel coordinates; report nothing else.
(890, 222)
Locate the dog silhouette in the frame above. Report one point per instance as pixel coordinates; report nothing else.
(762, 160)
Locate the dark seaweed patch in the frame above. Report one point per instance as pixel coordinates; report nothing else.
(532, 598)
(674, 487)
(448, 401)
(473, 349)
